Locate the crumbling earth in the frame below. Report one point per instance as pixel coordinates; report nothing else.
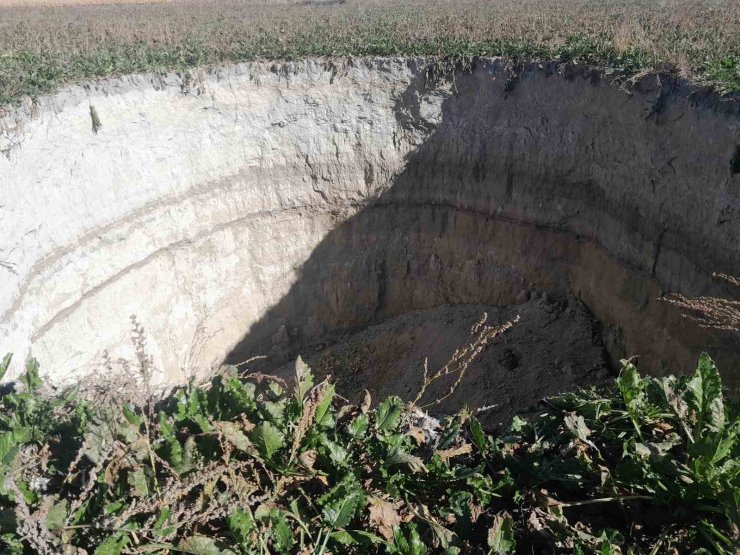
(553, 347)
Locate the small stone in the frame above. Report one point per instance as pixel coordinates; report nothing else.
(522, 297)
(602, 374)
(545, 297)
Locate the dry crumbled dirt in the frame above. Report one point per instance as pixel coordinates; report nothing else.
(554, 347)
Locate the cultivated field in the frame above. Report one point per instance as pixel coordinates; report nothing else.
(43, 47)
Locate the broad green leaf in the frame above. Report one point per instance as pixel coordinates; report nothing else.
(57, 515)
(343, 537)
(165, 427)
(518, 424)
(388, 414)
(189, 454)
(410, 544)
(201, 545)
(113, 545)
(477, 435)
(397, 457)
(276, 389)
(362, 535)
(5, 364)
(303, 380)
(159, 524)
(577, 426)
(444, 536)
(704, 396)
(642, 450)
(282, 531)
(98, 437)
(242, 526)
(339, 513)
(203, 422)
(450, 432)
(138, 482)
(724, 447)
(262, 512)
(501, 535)
(342, 502)
(630, 385)
(358, 427)
(173, 454)
(274, 411)
(268, 439)
(131, 417)
(484, 487)
(337, 453)
(115, 507)
(31, 378)
(12, 543)
(7, 443)
(235, 436)
(323, 415)
(609, 540)
(240, 394)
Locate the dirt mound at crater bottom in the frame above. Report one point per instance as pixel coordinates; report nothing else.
(554, 347)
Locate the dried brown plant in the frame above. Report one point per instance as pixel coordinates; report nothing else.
(461, 359)
(711, 312)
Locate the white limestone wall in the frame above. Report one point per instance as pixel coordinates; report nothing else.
(192, 207)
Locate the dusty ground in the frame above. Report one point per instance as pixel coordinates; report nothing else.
(555, 346)
(35, 3)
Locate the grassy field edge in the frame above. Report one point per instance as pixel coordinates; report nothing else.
(45, 48)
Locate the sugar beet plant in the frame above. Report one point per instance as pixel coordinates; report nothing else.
(244, 465)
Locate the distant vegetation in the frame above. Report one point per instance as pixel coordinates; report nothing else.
(251, 465)
(44, 47)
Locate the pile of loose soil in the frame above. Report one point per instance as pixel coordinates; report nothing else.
(554, 347)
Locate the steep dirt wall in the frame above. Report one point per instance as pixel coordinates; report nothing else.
(265, 208)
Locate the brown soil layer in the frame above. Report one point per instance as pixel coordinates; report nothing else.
(554, 347)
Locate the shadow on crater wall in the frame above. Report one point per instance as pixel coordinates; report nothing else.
(561, 184)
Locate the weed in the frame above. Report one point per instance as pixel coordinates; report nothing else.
(243, 466)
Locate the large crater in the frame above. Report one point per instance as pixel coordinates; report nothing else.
(273, 208)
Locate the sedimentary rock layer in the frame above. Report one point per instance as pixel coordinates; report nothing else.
(265, 208)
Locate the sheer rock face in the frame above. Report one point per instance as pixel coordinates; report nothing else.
(267, 208)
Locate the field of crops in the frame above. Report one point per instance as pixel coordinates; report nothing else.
(43, 47)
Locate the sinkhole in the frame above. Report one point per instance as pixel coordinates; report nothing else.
(367, 214)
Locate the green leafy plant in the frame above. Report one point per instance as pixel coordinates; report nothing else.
(247, 466)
